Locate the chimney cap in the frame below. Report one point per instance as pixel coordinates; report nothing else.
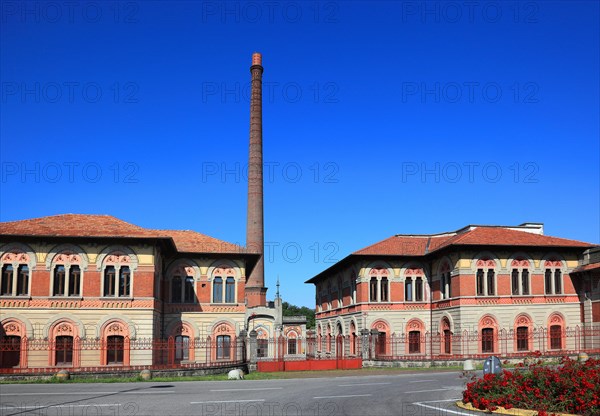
(256, 58)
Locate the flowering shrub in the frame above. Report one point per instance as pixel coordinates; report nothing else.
(572, 387)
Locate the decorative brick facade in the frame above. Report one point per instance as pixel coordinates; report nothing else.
(468, 281)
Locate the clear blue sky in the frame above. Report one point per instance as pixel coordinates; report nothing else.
(379, 118)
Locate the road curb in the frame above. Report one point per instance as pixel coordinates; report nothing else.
(502, 411)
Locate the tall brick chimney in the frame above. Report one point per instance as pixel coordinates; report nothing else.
(256, 292)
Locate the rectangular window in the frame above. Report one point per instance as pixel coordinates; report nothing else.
(189, 289)
(515, 282)
(23, 280)
(223, 347)
(449, 283)
(443, 286)
(124, 281)
(74, 281)
(230, 290)
(10, 351)
(64, 350)
(557, 281)
(291, 344)
(373, 287)
(109, 281)
(525, 282)
(491, 287)
(262, 348)
(555, 337)
(59, 281)
(381, 343)
(480, 276)
(447, 341)
(218, 290)
(548, 281)
(7, 278)
(384, 289)
(487, 340)
(414, 342)
(182, 348)
(419, 289)
(115, 346)
(522, 338)
(408, 290)
(176, 289)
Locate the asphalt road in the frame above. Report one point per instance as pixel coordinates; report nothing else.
(422, 394)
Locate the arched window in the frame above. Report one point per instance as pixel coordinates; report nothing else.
(520, 277)
(553, 277)
(14, 277)
(379, 290)
(66, 267)
(119, 272)
(115, 338)
(555, 332)
(488, 327)
(224, 285)
(182, 281)
(486, 277)
(414, 285)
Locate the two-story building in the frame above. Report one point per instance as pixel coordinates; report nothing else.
(477, 290)
(75, 281)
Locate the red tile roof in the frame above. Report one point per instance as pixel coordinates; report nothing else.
(480, 235)
(102, 226)
(419, 245)
(192, 242)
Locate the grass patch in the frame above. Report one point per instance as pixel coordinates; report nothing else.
(223, 377)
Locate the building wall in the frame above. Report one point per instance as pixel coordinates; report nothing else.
(465, 310)
(147, 311)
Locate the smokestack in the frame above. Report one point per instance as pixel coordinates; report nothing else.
(256, 292)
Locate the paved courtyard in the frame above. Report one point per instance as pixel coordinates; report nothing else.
(422, 394)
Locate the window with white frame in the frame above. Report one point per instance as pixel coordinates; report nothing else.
(553, 277)
(14, 273)
(117, 271)
(414, 285)
(486, 277)
(520, 277)
(224, 285)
